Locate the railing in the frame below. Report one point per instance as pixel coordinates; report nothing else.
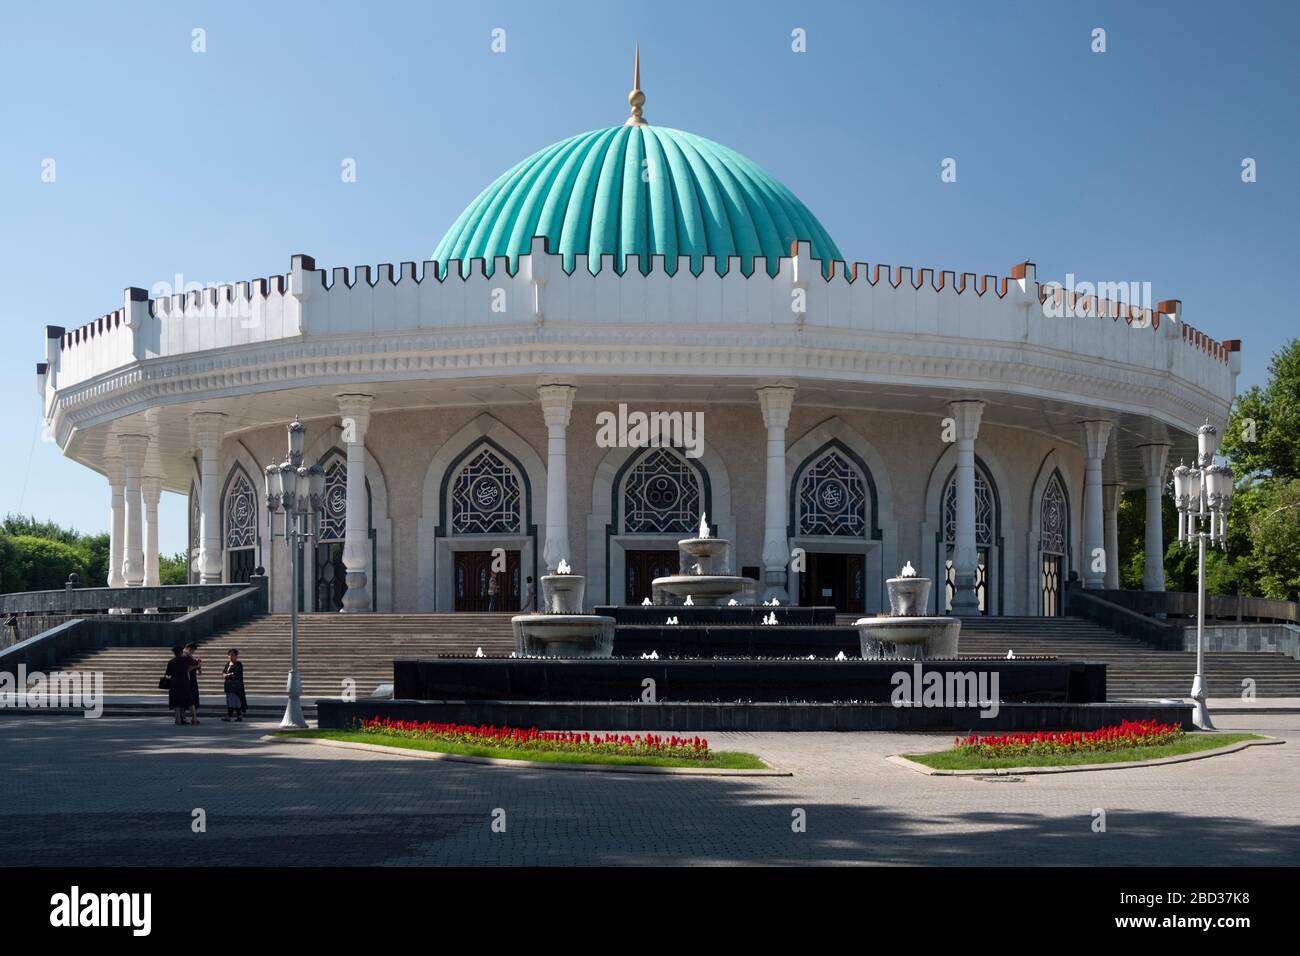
(216, 606)
(1223, 607)
(1096, 607)
(73, 600)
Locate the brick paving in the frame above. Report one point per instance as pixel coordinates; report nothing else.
(122, 792)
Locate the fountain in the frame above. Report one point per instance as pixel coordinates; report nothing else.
(907, 632)
(560, 629)
(706, 578)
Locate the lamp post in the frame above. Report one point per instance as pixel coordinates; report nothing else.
(1203, 495)
(299, 492)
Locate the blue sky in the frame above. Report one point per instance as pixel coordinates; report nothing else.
(1118, 166)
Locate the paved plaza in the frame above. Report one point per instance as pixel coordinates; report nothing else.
(124, 791)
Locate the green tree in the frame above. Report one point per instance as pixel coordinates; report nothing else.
(173, 570)
(1263, 436)
(41, 564)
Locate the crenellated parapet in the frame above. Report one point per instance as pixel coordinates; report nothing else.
(423, 318)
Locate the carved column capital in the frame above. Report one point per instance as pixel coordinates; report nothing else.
(557, 403)
(776, 401)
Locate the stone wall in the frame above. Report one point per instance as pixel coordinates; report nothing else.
(1278, 638)
(910, 465)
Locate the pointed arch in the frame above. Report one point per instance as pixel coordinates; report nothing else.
(608, 537)
(328, 443)
(439, 537)
(241, 538)
(1054, 468)
(877, 537)
(997, 544)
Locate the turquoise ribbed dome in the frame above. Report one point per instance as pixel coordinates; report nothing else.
(636, 190)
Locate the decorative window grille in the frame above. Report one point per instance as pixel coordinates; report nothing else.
(1052, 518)
(832, 498)
(241, 514)
(984, 518)
(334, 519)
(486, 496)
(661, 495)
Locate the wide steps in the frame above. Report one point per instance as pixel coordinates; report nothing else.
(332, 649)
(1135, 669)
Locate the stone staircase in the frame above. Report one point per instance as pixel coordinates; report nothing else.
(1135, 669)
(331, 648)
(335, 647)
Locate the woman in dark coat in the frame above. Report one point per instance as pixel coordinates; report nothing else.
(196, 668)
(233, 676)
(178, 684)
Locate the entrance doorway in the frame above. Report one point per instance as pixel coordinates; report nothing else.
(243, 561)
(834, 580)
(331, 577)
(1051, 585)
(473, 570)
(642, 567)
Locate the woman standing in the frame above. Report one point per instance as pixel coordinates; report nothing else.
(196, 668)
(233, 676)
(177, 676)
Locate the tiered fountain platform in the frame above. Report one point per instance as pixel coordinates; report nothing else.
(683, 667)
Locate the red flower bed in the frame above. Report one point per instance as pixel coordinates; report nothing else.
(1131, 733)
(532, 739)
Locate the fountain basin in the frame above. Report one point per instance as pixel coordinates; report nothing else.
(563, 635)
(704, 589)
(563, 593)
(710, 555)
(908, 638)
(908, 596)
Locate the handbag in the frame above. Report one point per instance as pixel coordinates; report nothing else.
(165, 682)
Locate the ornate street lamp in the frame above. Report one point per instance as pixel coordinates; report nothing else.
(297, 491)
(1203, 495)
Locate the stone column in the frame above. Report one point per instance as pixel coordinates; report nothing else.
(1110, 498)
(1155, 458)
(117, 523)
(557, 405)
(776, 402)
(133, 451)
(151, 488)
(355, 412)
(208, 428)
(1095, 437)
(965, 558)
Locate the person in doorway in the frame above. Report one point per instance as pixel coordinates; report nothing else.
(196, 668)
(494, 592)
(177, 676)
(529, 596)
(232, 675)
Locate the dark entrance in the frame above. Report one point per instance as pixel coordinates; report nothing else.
(242, 563)
(834, 580)
(1051, 584)
(331, 576)
(473, 569)
(642, 567)
(981, 580)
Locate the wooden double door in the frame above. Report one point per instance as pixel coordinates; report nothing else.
(472, 574)
(641, 568)
(834, 580)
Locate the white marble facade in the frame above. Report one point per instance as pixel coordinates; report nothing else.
(892, 416)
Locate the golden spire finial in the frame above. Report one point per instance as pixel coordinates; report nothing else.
(636, 98)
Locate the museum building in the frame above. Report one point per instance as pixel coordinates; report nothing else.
(851, 417)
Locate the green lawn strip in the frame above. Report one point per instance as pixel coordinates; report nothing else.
(1188, 744)
(718, 760)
